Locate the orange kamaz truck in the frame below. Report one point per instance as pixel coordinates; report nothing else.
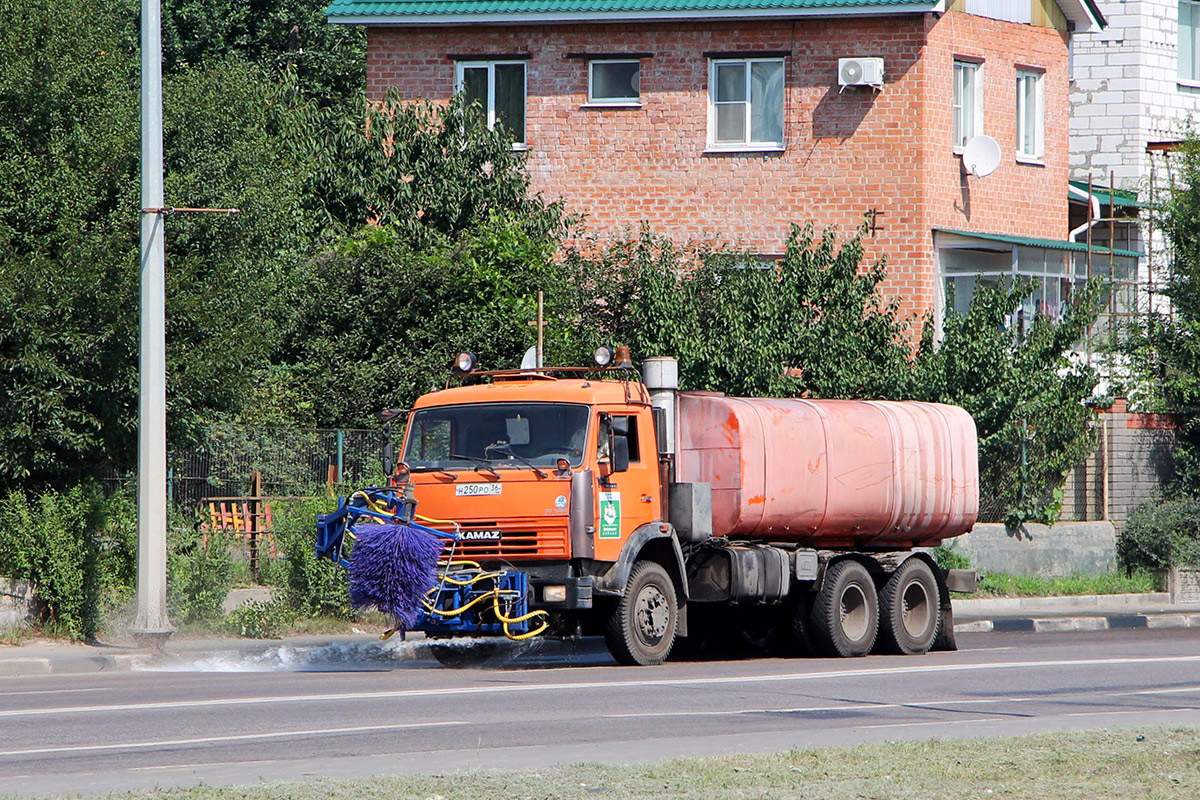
(601, 500)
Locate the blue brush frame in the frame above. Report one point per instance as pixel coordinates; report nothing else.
(478, 621)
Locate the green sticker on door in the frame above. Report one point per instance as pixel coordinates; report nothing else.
(610, 515)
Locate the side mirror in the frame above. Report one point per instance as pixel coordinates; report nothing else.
(620, 425)
(388, 451)
(620, 454)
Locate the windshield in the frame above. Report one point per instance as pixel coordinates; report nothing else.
(496, 434)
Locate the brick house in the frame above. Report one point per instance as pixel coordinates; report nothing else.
(724, 119)
(1133, 88)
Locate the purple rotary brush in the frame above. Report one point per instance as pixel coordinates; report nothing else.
(392, 567)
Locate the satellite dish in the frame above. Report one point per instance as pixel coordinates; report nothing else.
(981, 156)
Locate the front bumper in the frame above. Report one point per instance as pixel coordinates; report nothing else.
(578, 593)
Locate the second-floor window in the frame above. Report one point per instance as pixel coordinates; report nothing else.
(499, 89)
(745, 103)
(1189, 40)
(614, 82)
(1029, 114)
(968, 102)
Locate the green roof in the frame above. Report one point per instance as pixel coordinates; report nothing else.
(1049, 244)
(365, 9)
(1121, 198)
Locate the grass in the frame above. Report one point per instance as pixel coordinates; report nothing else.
(1162, 763)
(997, 584)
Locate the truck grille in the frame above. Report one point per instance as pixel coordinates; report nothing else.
(516, 544)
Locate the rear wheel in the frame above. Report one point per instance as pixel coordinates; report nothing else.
(845, 612)
(909, 606)
(642, 627)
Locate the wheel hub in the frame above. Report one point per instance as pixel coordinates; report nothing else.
(651, 614)
(915, 609)
(854, 613)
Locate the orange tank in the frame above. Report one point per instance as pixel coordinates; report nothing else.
(831, 473)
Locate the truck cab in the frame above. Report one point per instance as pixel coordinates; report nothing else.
(557, 476)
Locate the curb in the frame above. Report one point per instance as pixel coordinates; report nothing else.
(67, 665)
(1070, 624)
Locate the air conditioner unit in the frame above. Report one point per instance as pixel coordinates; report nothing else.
(860, 72)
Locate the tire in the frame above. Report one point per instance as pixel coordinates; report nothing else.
(641, 629)
(909, 609)
(845, 612)
(464, 653)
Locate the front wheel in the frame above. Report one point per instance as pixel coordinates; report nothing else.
(642, 627)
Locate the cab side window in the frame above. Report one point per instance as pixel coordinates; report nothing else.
(604, 449)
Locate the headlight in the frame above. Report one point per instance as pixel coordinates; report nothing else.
(464, 362)
(554, 594)
(603, 355)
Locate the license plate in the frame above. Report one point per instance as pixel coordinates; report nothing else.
(477, 489)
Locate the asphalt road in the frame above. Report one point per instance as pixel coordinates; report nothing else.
(379, 710)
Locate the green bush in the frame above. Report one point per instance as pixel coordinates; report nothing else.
(315, 587)
(199, 575)
(949, 557)
(78, 549)
(1160, 535)
(50, 541)
(260, 620)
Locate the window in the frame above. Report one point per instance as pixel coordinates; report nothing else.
(1055, 276)
(1029, 114)
(1189, 40)
(745, 104)
(499, 88)
(968, 102)
(614, 83)
(496, 436)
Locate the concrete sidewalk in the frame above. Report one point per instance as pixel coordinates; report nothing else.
(984, 615)
(1082, 613)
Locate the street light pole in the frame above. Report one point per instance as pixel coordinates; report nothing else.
(150, 623)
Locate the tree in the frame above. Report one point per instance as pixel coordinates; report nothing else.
(1164, 345)
(69, 240)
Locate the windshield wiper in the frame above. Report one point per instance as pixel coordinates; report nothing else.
(480, 464)
(504, 447)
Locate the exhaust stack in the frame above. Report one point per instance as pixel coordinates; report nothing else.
(660, 374)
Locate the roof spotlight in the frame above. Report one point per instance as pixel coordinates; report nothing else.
(464, 362)
(603, 355)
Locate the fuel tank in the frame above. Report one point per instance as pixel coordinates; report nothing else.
(831, 473)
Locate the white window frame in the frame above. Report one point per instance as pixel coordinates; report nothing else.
(614, 102)
(490, 111)
(1189, 74)
(747, 145)
(962, 64)
(1039, 114)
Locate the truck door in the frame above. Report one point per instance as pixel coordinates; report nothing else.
(631, 498)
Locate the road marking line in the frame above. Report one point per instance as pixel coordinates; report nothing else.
(1181, 690)
(55, 691)
(231, 738)
(616, 684)
(917, 704)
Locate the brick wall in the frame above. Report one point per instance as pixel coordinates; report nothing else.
(1132, 464)
(846, 152)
